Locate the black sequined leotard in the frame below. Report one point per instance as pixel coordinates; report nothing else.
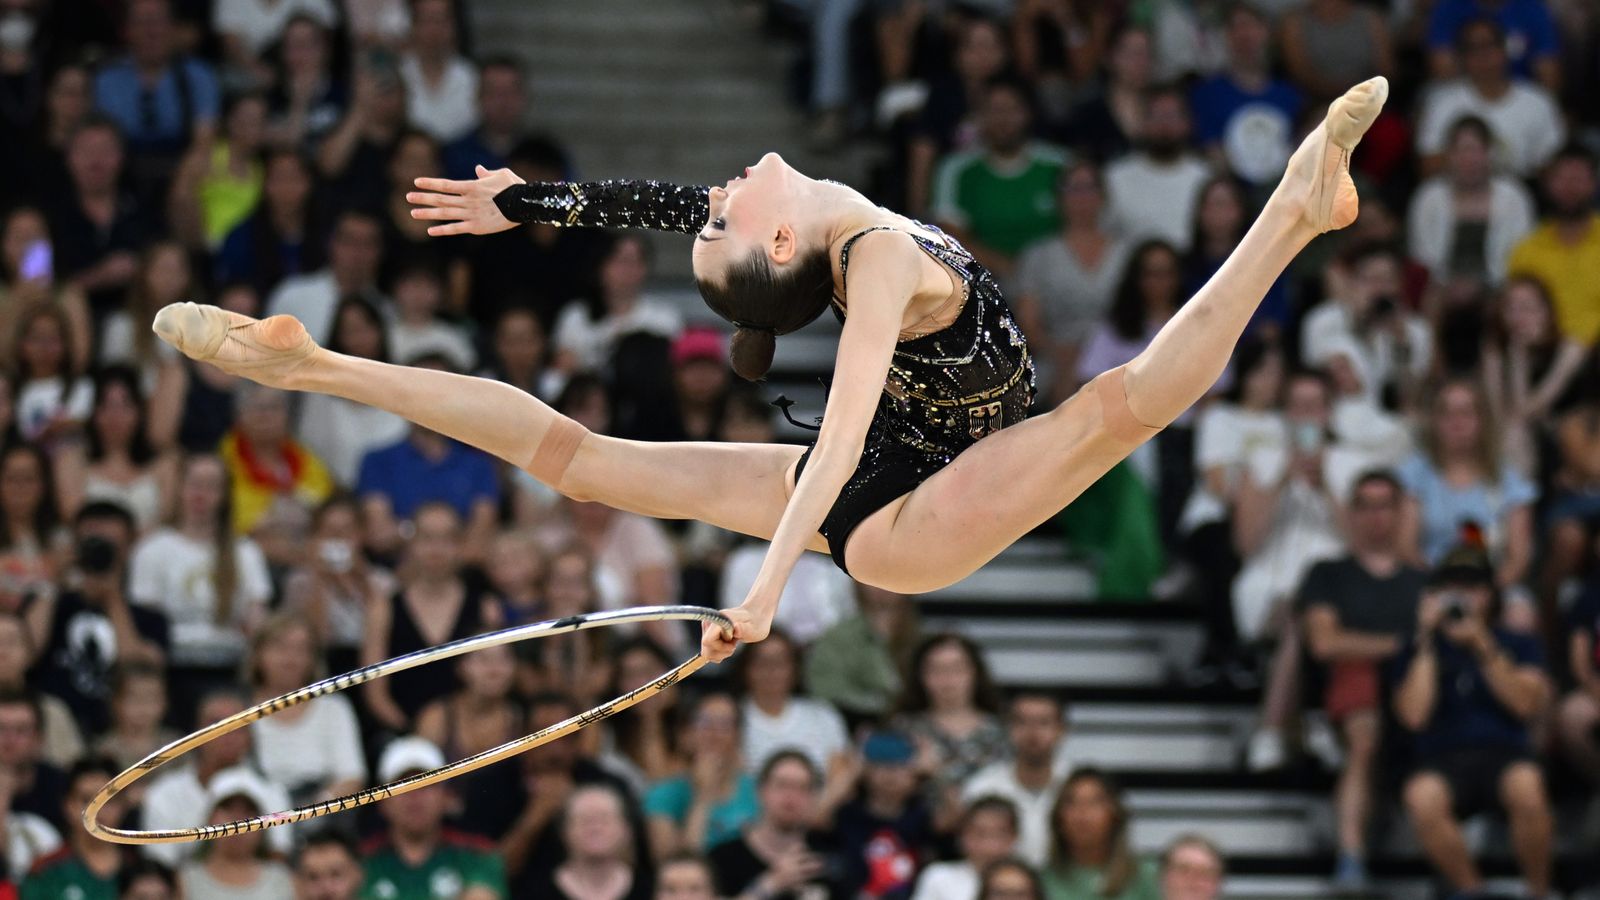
(945, 390)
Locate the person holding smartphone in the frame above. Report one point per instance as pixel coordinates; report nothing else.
(1468, 693)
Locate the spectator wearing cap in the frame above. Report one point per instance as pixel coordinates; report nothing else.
(1468, 692)
(237, 867)
(587, 331)
(700, 383)
(1191, 869)
(775, 718)
(328, 867)
(441, 84)
(986, 835)
(502, 104)
(1357, 612)
(1525, 119)
(416, 857)
(883, 827)
(87, 866)
(175, 799)
(1036, 722)
(776, 854)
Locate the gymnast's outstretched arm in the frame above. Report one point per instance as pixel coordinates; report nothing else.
(498, 200)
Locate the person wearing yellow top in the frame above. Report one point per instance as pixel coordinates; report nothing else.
(266, 463)
(219, 183)
(1564, 251)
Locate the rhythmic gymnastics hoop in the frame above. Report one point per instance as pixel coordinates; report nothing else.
(260, 711)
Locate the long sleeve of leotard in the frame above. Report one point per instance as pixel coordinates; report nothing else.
(655, 205)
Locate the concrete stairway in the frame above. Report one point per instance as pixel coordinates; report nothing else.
(680, 90)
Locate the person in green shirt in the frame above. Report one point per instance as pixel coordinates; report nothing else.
(855, 664)
(1090, 858)
(417, 858)
(1000, 197)
(86, 868)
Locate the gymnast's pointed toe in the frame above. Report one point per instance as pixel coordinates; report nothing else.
(195, 330)
(1351, 115)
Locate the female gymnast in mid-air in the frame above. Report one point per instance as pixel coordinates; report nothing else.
(926, 465)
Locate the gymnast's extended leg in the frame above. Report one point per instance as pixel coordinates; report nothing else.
(1010, 482)
(666, 480)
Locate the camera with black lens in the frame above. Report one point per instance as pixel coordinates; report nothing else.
(96, 555)
(1454, 605)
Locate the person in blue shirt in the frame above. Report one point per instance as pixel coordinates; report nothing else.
(1467, 692)
(428, 467)
(502, 99)
(157, 96)
(1531, 37)
(1245, 117)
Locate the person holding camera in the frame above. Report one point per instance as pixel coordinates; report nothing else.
(777, 856)
(88, 628)
(1393, 345)
(1469, 692)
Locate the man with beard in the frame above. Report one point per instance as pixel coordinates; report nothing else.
(1000, 196)
(1153, 190)
(1563, 253)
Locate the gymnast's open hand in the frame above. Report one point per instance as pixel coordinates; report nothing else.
(466, 206)
(748, 627)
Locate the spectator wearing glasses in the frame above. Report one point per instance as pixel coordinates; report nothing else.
(1191, 869)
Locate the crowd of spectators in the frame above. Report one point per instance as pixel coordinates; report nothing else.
(1396, 480)
(1386, 508)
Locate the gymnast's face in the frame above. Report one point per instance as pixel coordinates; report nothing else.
(749, 214)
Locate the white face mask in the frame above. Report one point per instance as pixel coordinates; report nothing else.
(16, 31)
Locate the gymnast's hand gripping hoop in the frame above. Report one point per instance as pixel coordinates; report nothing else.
(363, 675)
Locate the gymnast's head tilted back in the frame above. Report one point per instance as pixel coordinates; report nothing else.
(760, 263)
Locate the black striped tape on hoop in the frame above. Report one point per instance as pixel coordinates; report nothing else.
(363, 675)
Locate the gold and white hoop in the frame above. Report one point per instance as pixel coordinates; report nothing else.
(363, 675)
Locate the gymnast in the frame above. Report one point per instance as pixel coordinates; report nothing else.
(926, 465)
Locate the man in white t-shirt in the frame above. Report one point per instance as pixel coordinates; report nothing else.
(1037, 725)
(177, 799)
(1154, 189)
(1527, 123)
(441, 84)
(355, 251)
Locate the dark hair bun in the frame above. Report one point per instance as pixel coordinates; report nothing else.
(751, 352)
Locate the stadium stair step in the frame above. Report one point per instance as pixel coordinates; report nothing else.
(613, 82)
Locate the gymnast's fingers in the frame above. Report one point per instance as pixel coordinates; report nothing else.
(426, 199)
(452, 228)
(445, 185)
(447, 213)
